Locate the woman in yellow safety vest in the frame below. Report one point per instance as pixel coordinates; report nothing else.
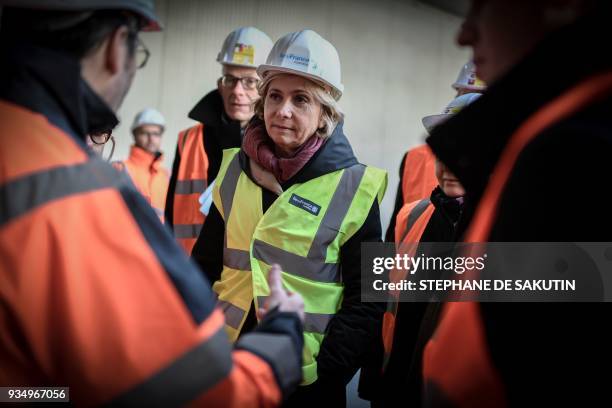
(295, 194)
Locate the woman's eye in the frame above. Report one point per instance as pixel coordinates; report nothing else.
(275, 97)
(301, 99)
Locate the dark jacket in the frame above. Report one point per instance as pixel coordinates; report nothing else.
(415, 322)
(546, 353)
(350, 332)
(220, 132)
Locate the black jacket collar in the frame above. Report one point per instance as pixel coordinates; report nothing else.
(210, 111)
(50, 83)
(471, 142)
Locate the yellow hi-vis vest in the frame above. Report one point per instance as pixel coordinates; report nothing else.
(302, 231)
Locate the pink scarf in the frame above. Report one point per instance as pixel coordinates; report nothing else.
(260, 148)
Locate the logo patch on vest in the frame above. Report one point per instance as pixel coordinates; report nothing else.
(304, 204)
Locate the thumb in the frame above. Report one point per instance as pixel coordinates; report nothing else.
(274, 280)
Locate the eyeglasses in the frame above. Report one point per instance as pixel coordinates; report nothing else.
(140, 132)
(230, 81)
(142, 53)
(100, 138)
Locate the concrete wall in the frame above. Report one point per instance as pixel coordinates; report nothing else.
(398, 61)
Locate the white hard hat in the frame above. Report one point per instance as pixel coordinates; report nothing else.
(451, 109)
(245, 47)
(306, 53)
(467, 79)
(149, 116)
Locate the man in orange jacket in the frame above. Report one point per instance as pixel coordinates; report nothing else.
(222, 115)
(417, 169)
(145, 163)
(95, 294)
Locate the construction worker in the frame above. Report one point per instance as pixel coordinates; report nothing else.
(95, 294)
(533, 156)
(417, 169)
(223, 115)
(428, 220)
(145, 162)
(296, 194)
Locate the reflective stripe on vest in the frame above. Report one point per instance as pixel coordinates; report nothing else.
(411, 222)
(456, 360)
(190, 184)
(419, 175)
(302, 231)
(27, 193)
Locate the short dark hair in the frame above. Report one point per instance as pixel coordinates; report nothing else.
(76, 33)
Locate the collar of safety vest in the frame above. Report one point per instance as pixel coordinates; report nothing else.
(471, 142)
(60, 75)
(142, 158)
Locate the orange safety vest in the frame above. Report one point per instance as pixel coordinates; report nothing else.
(411, 222)
(419, 175)
(149, 177)
(190, 184)
(89, 304)
(456, 361)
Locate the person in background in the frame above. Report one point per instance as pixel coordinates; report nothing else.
(533, 154)
(296, 194)
(417, 169)
(222, 115)
(405, 324)
(95, 294)
(145, 163)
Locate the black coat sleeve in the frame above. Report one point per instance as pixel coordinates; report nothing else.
(208, 249)
(399, 202)
(355, 326)
(169, 210)
(555, 194)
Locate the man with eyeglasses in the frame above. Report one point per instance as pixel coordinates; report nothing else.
(95, 294)
(144, 165)
(223, 114)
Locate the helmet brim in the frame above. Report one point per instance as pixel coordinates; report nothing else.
(432, 121)
(457, 86)
(334, 90)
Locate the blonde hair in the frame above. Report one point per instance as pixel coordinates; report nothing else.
(331, 113)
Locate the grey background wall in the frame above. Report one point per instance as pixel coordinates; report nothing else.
(398, 61)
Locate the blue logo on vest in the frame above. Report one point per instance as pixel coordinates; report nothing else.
(304, 204)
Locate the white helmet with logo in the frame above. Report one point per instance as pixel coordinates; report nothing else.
(245, 47)
(306, 53)
(148, 116)
(468, 80)
(451, 109)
